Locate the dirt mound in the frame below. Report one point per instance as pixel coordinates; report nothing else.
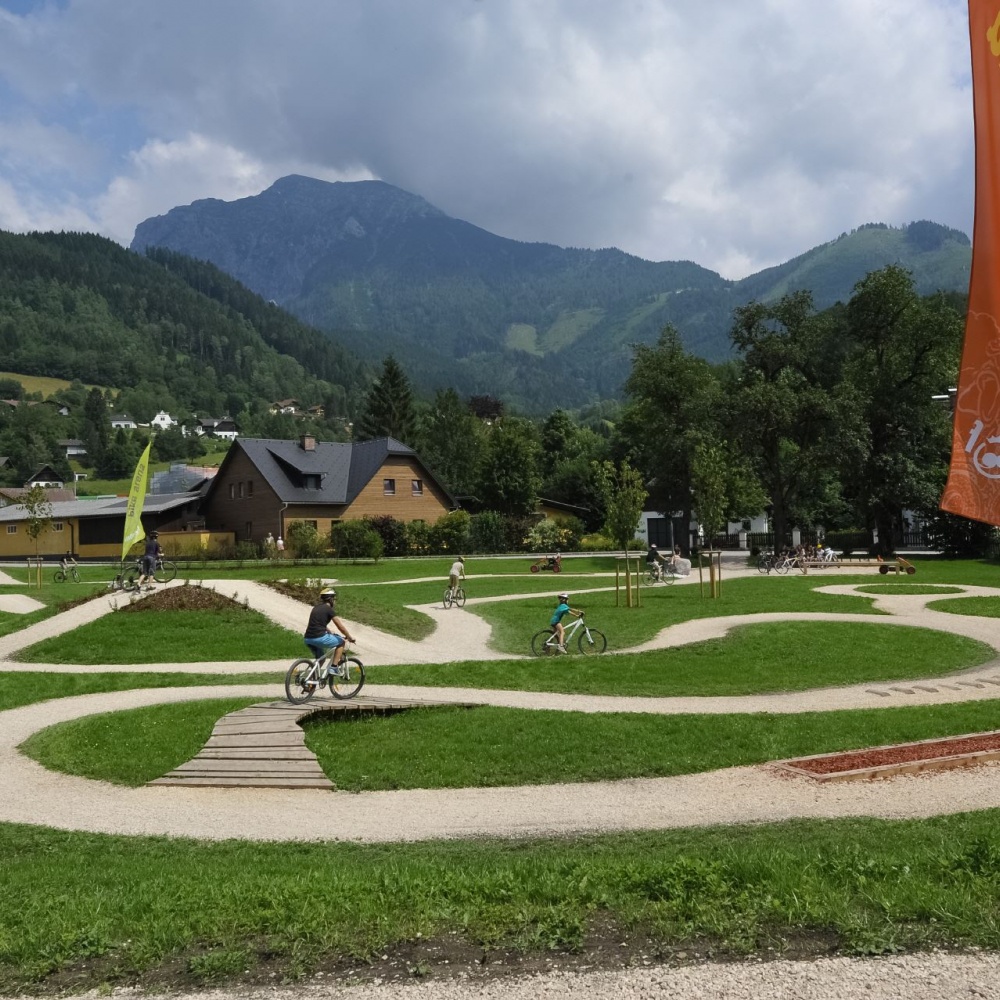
(184, 598)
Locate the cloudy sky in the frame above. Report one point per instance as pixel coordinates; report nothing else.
(736, 133)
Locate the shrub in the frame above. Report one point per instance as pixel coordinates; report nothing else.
(547, 536)
(488, 532)
(418, 537)
(304, 541)
(392, 533)
(355, 540)
(450, 532)
(596, 543)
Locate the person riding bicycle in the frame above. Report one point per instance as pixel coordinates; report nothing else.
(67, 562)
(655, 562)
(150, 556)
(555, 621)
(322, 633)
(456, 573)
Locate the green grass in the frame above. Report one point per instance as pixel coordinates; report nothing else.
(514, 622)
(169, 637)
(980, 607)
(18, 689)
(752, 659)
(909, 589)
(87, 910)
(457, 747)
(133, 747)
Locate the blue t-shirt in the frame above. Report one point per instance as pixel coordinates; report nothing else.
(559, 614)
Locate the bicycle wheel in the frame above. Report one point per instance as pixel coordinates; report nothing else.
(650, 578)
(540, 644)
(165, 571)
(59, 576)
(75, 574)
(763, 565)
(534, 567)
(669, 577)
(782, 566)
(350, 680)
(447, 598)
(592, 641)
(301, 682)
(459, 597)
(130, 582)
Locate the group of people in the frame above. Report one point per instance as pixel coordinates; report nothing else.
(674, 563)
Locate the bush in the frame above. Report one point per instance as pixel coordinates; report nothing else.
(549, 536)
(304, 541)
(488, 532)
(596, 543)
(418, 537)
(355, 540)
(392, 533)
(450, 532)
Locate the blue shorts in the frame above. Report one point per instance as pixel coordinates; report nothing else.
(324, 642)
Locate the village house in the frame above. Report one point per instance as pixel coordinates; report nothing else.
(264, 485)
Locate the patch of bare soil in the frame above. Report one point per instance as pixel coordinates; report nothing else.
(297, 591)
(856, 760)
(184, 598)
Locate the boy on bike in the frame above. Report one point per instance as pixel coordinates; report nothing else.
(555, 621)
(150, 556)
(456, 573)
(654, 562)
(323, 631)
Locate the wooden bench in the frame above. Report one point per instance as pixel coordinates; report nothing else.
(263, 746)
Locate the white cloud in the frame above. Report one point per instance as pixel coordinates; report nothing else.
(731, 133)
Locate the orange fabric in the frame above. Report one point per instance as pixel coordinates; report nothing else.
(973, 488)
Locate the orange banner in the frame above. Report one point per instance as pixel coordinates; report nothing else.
(973, 488)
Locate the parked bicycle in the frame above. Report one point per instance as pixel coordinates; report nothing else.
(545, 642)
(454, 596)
(307, 676)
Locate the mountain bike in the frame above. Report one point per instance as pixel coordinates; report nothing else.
(163, 572)
(71, 572)
(658, 573)
(456, 596)
(307, 676)
(545, 642)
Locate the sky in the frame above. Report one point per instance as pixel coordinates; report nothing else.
(734, 133)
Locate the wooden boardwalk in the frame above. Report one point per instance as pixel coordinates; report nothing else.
(264, 746)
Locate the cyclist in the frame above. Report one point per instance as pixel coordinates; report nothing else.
(456, 573)
(322, 633)
(67, 563)
(654, 562)
(560, 612)
(150, 556)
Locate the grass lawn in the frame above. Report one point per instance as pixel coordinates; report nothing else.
(909, 589)
(168, 912)
(981, 607)
(455, 747)
(752, 659)
(169, 637)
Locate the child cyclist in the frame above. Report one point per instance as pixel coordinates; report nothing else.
(555, 621)
(323, 633)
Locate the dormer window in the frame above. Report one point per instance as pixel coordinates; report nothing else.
(312, 481)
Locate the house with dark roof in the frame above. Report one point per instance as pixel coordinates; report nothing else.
(264, 485)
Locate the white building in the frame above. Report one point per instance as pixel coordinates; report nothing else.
(163, 421)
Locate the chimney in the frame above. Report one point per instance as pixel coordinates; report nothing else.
(307, 442)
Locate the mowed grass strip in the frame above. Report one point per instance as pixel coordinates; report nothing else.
(236, 633)
(979, 607)
(130, 747)
(752, 659)
(456, 747)
(18, 689)
(161, 912)
(515, 621)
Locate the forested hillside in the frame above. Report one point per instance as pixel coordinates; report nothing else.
(382, 270)
(166, 332)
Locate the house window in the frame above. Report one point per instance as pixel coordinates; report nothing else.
(241, 491)
(249, 530)
(312, 481)
(57, 526)
(249, 487)
(418, 487)
(389, 487)
(11, 529)
(232, 491)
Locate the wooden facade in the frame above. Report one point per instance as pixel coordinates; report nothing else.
(242, 500)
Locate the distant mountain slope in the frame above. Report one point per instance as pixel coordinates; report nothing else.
(385, 270)
(78, 306)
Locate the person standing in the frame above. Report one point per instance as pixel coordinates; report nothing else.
(151, 555)
(280, 545)
(269, 546)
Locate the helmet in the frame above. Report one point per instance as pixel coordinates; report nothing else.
(327, 594)
(563, 597)
(461, 559)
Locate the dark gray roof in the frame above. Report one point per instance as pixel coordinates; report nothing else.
(343, 469)
(103, 506)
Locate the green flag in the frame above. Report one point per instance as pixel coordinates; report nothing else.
(136, 498)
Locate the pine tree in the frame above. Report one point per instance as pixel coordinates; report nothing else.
(389, 409)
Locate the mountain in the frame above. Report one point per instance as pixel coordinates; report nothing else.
(383, 270)
(164, 330)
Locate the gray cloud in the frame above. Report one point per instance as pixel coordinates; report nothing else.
(730, 133)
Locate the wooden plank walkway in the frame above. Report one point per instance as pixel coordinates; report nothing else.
(263, 746)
